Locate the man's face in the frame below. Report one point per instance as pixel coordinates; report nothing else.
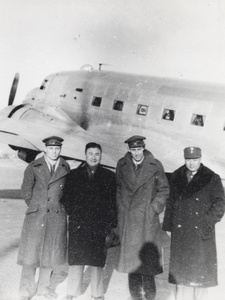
(137, 153)
(193, 164)
(53, 152)
(93, 156)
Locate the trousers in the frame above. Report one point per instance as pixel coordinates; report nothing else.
(190, 293)
(75, 280)
(47, 282)
(142, 284)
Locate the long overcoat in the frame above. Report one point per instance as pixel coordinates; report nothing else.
(43, 240)
(141, 197)
(91, 205)
(191, 214)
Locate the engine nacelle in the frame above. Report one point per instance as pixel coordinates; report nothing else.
(26, 155)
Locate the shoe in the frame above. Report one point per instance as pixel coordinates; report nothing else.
(25, 298)
(51, 295)
(69, 297)
(98, 298)
(42, 297)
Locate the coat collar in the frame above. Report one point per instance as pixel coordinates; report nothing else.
(199, 181)
(61, 170)
(85, 169)
(148, 169)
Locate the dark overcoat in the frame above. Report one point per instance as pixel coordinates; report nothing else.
(43, 240)
(91, 206)
(191, 214)
(141, 197)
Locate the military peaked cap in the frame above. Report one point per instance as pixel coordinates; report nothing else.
(53, 141)
(135, 141)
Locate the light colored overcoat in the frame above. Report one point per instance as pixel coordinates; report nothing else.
(44, 234)
(141, 197)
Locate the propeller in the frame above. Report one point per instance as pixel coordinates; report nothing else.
(13, 89)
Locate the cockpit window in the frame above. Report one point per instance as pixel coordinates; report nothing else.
(168, 114)
(96, 101)
(43, 85)
(198, 120)
(142, 110)
(79, 90)
(118, 105)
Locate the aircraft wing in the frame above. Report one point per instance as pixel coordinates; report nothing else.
(29, 135)
(15, 139)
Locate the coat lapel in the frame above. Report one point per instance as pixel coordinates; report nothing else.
(44, 174)
(60, 172)
(128, 170)
(42, 171)
(147, 170)
(199, 181)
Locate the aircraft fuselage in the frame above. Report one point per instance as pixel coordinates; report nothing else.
(109, 107)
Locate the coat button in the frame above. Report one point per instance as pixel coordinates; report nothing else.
(48, 199)
(57, 211)
(179, 226)
(47, 210)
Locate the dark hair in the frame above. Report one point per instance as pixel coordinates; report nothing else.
(93, 145)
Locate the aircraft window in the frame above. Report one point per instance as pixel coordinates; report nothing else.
(96, 101)
(198, 120)
(118, 105)
(43, 85)
(142, 110)
(79, 90)
(168, 114)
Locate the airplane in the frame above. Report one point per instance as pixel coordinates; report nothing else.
(108, 107)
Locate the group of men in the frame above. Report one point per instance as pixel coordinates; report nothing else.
(98, 201)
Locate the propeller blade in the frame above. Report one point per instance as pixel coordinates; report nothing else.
(13, 89)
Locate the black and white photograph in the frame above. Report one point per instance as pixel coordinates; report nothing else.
(112, 138)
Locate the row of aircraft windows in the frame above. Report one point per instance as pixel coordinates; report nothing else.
(168, 114)
(142, 110)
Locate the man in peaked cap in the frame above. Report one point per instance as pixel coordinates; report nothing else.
(43, 242)
(142, 189)
(195, 205)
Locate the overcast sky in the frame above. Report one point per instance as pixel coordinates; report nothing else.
(171, 38)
